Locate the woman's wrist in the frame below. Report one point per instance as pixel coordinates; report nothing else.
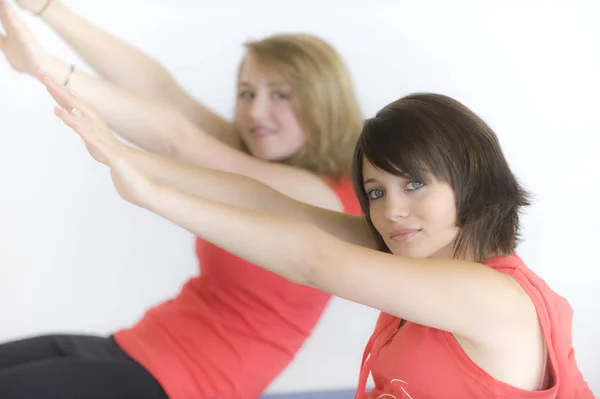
(57, 69)
(45, 7)
(51, 13)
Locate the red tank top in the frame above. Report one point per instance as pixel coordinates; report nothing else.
(417, 362)
(231, 330)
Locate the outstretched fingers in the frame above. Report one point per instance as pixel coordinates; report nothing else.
(73, 119)
(9, 18)
(60, 94)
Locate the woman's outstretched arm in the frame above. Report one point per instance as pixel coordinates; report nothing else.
(127, 66)
(466, 298)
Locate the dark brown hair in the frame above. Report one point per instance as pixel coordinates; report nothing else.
(433, 133)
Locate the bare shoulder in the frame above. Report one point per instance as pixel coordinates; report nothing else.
(515, 353)
(299, 184)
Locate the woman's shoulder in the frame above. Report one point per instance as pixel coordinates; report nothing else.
(344, 189)
(556, 318)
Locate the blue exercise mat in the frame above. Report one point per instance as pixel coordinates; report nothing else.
(313, 395)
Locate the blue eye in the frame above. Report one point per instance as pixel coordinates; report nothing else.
(280, 96)
(246, 95)
(414, 185)
(375, 194)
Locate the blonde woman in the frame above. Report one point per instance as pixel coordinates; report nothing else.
(230, 331)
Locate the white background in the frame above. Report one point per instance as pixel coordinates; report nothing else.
(75, 258)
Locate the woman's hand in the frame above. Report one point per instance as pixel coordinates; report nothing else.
(131, 184)
(21, 49)
(98, 137)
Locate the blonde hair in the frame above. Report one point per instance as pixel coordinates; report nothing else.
(323, 99)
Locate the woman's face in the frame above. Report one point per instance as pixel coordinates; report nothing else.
(264, 114)
(414, 219)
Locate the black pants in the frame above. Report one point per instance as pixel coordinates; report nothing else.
(72, 367)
